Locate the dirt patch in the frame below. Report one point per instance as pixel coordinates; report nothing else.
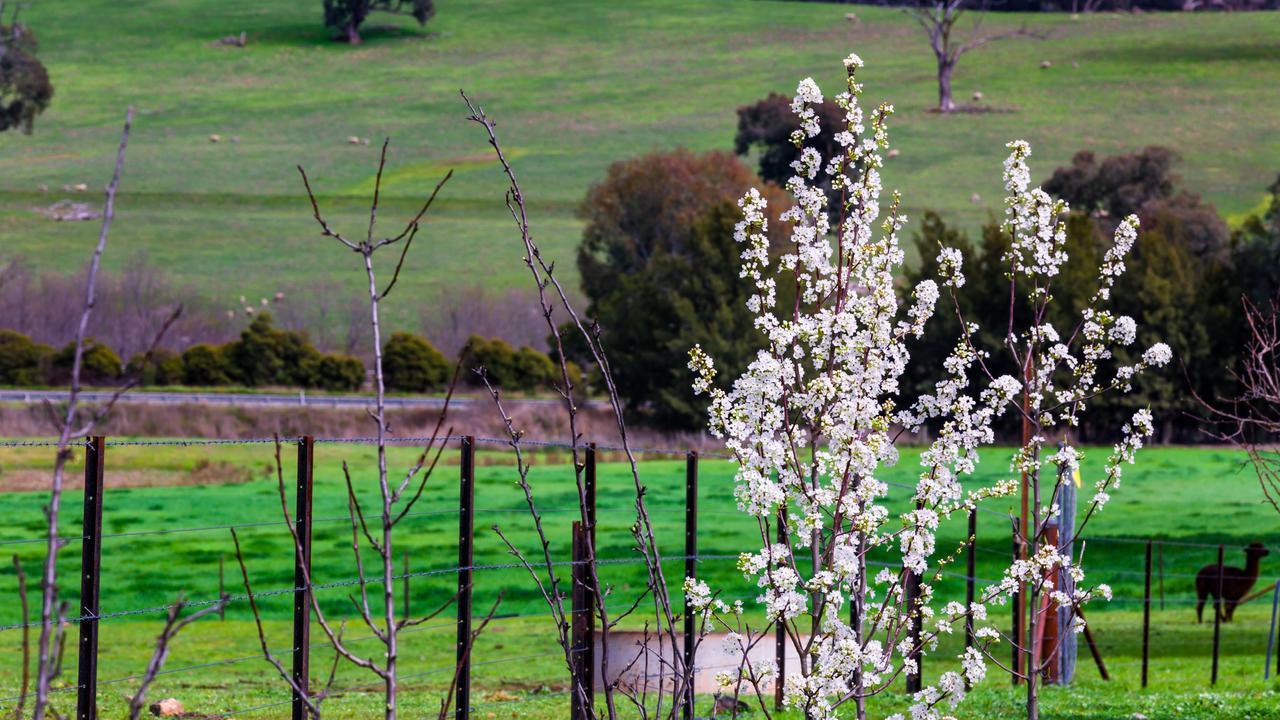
(204, 473)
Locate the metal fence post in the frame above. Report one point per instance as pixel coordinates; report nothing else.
(1016, 629)
(1218, 608)
(1146, 615)
(582, 693)
(1271, 634)
(780, 641)
(405, 586)
(90, 577)
(914, 622)
(691, 571)
(466, 558)
(970, 582)
(589, 490)
(301, 573)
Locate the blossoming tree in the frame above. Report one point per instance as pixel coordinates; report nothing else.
(814, 420)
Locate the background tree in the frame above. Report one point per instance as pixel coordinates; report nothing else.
(25, 90)
(768, 127)
(346, 16)
(939, 19)
(660, 272)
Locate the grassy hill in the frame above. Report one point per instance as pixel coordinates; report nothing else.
(575, 85)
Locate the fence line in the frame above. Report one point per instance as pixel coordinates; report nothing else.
(302, 646)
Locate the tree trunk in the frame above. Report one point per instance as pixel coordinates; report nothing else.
(945, 67)
(353, 33)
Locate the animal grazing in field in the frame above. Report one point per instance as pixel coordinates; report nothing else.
(1236, 582)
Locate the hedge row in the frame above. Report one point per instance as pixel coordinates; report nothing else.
(267, 356)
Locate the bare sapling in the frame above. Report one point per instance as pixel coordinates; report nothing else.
(175, 622)
(666, 678)
(816, 418)
(1252, 418)
(73, 422)
(374, 597)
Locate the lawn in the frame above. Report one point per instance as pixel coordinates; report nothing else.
(574, 85)
(1186, 496)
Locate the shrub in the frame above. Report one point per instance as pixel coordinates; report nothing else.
(336, 372)
(99, 364)
(533, 369)
(496, 356)
(204, 364)
(411, 364)
(265, 355)
(22, 362)
(163, 368)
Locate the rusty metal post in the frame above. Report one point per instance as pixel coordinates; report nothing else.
(405, 585)
(1146, 616)
(466, 558)
(582, 683)
(95, 456)
(301, 572)
(1093, 646)
(589, 490)
(970, 582)
(1160, 564)
(690, 571)
(1016, 629)
(222, 609)
(1218, 608)
(915, 623)
(780, 641)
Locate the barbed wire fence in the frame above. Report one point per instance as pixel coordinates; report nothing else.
(1163, 588)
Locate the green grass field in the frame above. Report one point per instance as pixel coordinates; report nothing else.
(574, 85)
(1181, 495)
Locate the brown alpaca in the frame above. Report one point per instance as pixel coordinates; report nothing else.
(1236, 582)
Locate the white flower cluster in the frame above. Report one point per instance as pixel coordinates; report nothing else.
(813, 418)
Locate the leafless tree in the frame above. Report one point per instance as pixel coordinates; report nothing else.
(73, 423)
(174, 623)
(673, 677)
(397, 496)
(940, 18)
(1253, 418)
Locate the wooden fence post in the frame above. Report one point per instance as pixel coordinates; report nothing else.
(1218, 608)
(691, 571)
(301, 572)
(466, 558)
(1146, 615)
(95, 457)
